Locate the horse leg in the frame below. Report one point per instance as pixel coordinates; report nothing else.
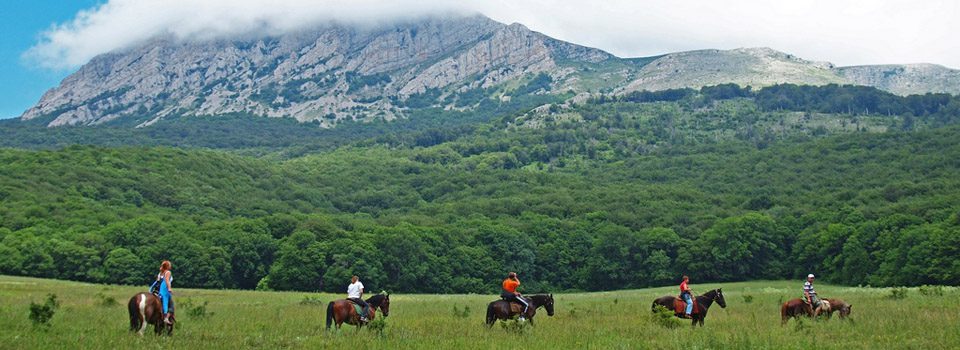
(169, 327)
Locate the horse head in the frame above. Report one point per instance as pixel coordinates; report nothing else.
(381, 301)
(549, 304)
(385, 304)
(719, 298)
(845, 310)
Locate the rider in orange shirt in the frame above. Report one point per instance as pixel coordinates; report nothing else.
(510, 293)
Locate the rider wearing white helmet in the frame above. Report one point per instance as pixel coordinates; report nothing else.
(810, 295)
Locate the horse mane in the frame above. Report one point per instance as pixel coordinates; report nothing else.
(376, 299)
(539, 299)
(709, 295)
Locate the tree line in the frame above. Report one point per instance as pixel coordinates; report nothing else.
(228, 221)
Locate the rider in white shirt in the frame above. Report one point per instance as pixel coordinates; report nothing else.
(355, 294)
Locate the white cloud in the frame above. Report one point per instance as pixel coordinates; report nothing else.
(845, 32)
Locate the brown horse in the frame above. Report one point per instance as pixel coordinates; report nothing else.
(504, 310)
(146, 308)
(794, 308)
(701, 304)
(342, 311)
(837, 305)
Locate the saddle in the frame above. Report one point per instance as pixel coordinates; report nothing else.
(357, 307)
(680, 306)
(514, 305)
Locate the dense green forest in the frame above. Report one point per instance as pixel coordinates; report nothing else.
(723, 184)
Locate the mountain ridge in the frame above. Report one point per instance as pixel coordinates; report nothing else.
(333, 72)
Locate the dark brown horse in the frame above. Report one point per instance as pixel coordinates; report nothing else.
(504, 310)
(701, 304)
(146, 308)
(342, 311)
(836, 305)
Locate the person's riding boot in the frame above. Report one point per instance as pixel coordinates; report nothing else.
(166, 318)
(687, 316)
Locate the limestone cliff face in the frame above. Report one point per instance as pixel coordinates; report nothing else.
(324, 74)
(759, 67)
(336, 72)
(747, 67)
(905, 79)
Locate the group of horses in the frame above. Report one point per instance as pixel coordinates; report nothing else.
(146, 308)
(790, 309)
(795, 308)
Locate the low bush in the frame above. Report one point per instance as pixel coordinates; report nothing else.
(40, 314)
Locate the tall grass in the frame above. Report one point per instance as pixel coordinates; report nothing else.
(271, 320)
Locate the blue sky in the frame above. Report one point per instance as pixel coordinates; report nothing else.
(21, 23)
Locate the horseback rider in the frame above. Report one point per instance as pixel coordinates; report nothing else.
(165, 278)
(687, 295)
(809, 295)
(355, 294)
(510, 293)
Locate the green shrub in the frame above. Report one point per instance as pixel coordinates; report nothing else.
(898, 293)
(264, 284)
(196, 310)
(40, 314)
(378, 325)
(931, 291)
(665, 318)
(747, 298)
(106, 301)
(308, 300)
(465, 313)
(514, 325)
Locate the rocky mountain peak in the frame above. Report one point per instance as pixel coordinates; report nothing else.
(326, 73)
(334, 72)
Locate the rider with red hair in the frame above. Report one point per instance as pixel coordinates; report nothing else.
(166, 294)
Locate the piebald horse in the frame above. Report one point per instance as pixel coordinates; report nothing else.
(504, 310)
(146, 308)
(342, 311)
(700, 306)
(837, 305)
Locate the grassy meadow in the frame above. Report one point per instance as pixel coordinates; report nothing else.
(87, 318)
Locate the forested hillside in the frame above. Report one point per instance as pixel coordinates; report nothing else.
(722, 184)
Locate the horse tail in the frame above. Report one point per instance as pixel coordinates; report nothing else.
(142, 297)
(329, 314)
(491, 315)
(783, 312)
(133, 307)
